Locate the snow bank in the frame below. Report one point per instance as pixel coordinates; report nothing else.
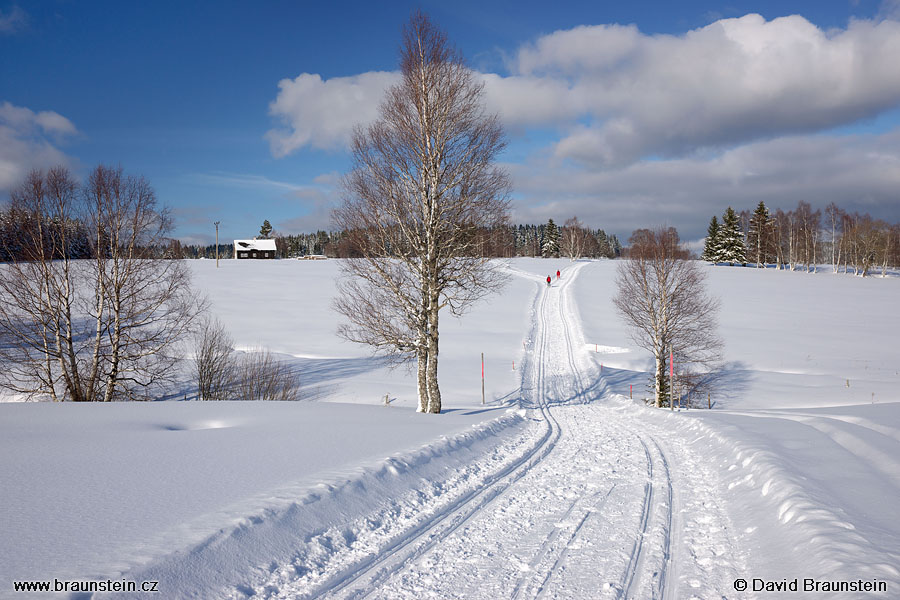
(101, 490)
(808, 490)
(805, 437)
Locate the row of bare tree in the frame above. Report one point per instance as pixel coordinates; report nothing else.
(803, 238)
(97, 320)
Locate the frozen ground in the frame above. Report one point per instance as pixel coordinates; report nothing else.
(562, 488)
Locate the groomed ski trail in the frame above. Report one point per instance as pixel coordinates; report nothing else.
(591, 507)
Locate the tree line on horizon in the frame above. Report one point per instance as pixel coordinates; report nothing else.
(572, 240)
(802, 238)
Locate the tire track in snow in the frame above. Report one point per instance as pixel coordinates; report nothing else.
(551, 554)
(640, 565)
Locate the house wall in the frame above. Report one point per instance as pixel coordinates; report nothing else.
(257, 254)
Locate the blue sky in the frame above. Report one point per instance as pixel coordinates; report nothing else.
(626, 114)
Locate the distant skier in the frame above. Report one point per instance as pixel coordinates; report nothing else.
(557, 274)
(548, 280)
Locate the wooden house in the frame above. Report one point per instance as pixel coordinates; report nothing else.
(254, 248)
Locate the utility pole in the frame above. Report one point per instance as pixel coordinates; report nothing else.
(217, 243)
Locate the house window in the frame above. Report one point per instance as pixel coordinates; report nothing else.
(254, 255)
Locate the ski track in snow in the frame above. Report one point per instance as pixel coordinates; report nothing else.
(592, 501)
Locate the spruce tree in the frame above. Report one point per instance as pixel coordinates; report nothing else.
(550, 245)
(731, 248)
(265, 230)
(760, 237)
(713, 241)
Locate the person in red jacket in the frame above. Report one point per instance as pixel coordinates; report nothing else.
(548, 280)
(557, 273)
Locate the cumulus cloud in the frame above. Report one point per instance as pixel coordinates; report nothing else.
(733, 81)
(524, 101)
(669, 127)
(321, 113)
(29, 140)
(859, 173)
(618, 95)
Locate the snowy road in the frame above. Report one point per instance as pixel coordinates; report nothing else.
(597, 503)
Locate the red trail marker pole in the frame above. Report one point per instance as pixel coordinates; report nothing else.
(671, 380)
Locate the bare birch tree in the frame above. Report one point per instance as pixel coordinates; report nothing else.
(808, 223)
(149, 304)
(865, 236)
(834, 217)
(38, 331)
(103, 328)
(662, 297)
(422, 185)
(574, 238)
(214, 363)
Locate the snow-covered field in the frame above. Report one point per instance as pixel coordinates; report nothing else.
(558, 487)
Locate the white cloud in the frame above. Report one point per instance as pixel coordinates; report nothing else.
(670, 129)
(618, 95)
(12, 21)
(247, 180)
(733, 81)
(29, 140)
(321, 113)
(889, 9)
(581, 49)
(524, 100)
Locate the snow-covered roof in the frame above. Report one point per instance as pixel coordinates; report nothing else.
(254, 245)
